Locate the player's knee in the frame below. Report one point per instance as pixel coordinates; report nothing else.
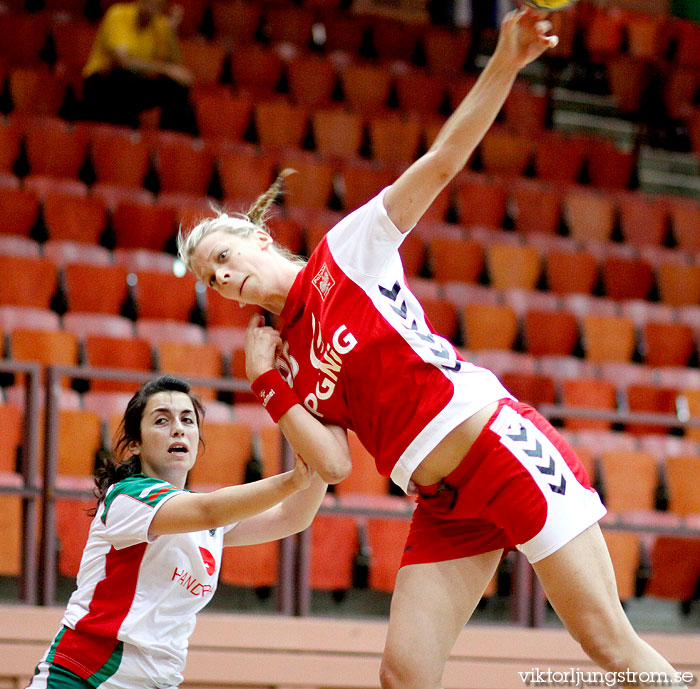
(609, 644)
(400, 675)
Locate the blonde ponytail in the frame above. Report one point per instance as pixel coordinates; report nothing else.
(258, 212)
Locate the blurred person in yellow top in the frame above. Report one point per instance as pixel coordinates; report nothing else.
(134, 65)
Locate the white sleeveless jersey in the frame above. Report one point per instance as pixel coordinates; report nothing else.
(128, 622)
(359, 351)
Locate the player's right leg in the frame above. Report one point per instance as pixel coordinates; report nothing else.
(430, 606)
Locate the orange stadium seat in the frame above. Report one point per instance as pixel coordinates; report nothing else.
(419, 92)
(337, 132)
(608, 338)
(239, 19)
(589, 214)
(558, 157)
(12, 420)
(79, 441)
(268, 442)
(643, 219)
(47, 347)
(489, 326)
(363, 181)
(363, 479)
(394, 39)
(204, 59)
(525, 110)
(627, 278)
(19, 211)
(625, 553)
(622, 494)
(386, 539)
(505, 152)
(446, 50)
(221, 114)
(280, 124)
(667, 344)
(510, 265)
(442, 315)
(227, 312)
(95, 289)
(73, 41)
(609, 166)
(481, 200)
(286, 231)
(10, 144)
(164, 296)
(334, 544)
(157, 331)
(628, 78)
(536, 208)
(682, 480)
(394, 139)
(54, 147)
(588, 393)
(312, 79)
(679, 285)
(256, 70)
(141, 225)
(344, 32)
(255, 566)
(412, 252)
(117, 352)
(533, 388)
(245, 173)
(675, 568)
(24, 36)
(603, 35)
(27, 281)
(652, 399)
(289, 24)
(550, 332)
(312, 186)
(200, 360)
(36, 90)
(74, 218)
(183, 165)
(366, 87)
(72, 527)
(119, 155)
(570, 272)
(684, 217)
(11, 543)
(223, 459)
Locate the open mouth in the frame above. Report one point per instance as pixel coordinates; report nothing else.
(177, 449)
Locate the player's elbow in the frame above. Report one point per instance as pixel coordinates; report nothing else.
(337, 470)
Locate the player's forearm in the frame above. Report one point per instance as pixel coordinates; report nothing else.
(464, 129)
(201, 511)
(315, 444)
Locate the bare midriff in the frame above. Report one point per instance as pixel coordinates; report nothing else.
(451, 450)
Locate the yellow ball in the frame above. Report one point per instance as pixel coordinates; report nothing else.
(548, 5)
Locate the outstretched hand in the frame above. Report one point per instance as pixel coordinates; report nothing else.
(523, 37)
(262, 344)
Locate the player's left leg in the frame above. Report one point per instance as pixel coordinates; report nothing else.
(579, 582)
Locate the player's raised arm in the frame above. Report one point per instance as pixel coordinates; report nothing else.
(523, 38)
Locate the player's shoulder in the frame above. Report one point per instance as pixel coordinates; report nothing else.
(144, 489)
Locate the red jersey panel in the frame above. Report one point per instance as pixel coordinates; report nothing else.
(359, 351)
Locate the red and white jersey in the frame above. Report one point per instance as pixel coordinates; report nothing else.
(359, 351)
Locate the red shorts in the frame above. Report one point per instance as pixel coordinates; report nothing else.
(520, 486)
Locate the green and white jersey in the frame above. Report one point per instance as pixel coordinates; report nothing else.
(128, 623)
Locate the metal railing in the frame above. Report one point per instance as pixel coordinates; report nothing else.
(293, 591)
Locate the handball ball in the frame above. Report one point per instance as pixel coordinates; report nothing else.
(548, 5)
